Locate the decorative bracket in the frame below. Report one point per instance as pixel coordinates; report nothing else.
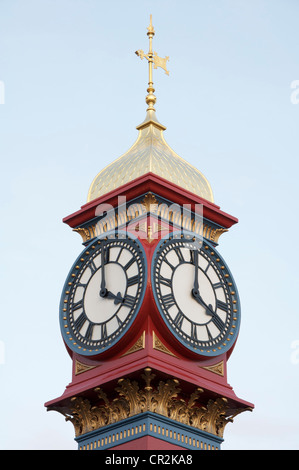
(164, 398)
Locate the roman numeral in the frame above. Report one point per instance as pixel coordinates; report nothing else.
(133, 280)
(80, 284)
(129, 263)
(207, 268)
(179, 255)
(77, 305)
(165, 281)
(217, 285)
(119, 253)
(168, 300)
(92, 267)
(194, 331)
(79, 322)
(165, 260)
(209, 333)
(129, 301)
(179, 319)
(104, 331)
(218, 322)
(89, 331)
(222, 305)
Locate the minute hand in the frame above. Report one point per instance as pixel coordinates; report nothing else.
(195, 290)
(103, 291)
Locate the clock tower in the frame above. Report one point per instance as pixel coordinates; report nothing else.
(150, 311)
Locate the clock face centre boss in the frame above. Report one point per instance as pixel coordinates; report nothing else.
(192, 286)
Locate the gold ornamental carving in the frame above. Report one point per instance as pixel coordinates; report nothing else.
(164, 398)
(150, 203)
(80, 367)
(150, 206)
(140, 344)
(159, 346)
(216, 368)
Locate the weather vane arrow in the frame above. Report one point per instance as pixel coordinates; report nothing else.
(153, 60)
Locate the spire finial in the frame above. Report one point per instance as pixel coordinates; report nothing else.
(152, 58)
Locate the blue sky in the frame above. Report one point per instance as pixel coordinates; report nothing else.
(74, 93)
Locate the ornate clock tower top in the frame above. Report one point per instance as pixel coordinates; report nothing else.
(150, 153)
(149, 311)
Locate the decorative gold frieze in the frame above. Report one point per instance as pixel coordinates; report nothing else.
(140, 344)
(125, 216)
(83, 232)
(216, 368)
(164, 398)
(80, 367)
(215, 234)
(150, 203)
(159, 346)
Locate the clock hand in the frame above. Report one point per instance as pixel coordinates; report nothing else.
(198, 298)
(195, 290)
(118, 299)
(209, 311)
(103, 291)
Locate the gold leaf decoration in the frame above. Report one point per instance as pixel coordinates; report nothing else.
(140, 344)
(216, 368)
(164, 398)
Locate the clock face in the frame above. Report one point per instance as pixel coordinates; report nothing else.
(196, 295)
(102, 294)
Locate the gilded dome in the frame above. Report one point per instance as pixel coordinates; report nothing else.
(150, 154)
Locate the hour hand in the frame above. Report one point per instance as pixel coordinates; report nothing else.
(195, 293)
(198, 299)
(118, 299)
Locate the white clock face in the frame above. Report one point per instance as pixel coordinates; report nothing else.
(196, 295)
(102, 294)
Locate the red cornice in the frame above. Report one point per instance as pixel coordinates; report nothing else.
(159, 186)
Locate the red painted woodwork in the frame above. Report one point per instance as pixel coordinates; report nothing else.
(157, 185)
(176, 360)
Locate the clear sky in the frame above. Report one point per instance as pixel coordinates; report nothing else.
(72, 92)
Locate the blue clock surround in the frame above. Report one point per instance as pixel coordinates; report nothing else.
(232, 335)
(66, 334)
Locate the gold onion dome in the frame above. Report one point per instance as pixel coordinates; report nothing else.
(150, 153)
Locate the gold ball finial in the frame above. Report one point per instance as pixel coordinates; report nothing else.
(150, 29)
(150, 99)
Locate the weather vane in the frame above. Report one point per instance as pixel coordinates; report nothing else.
(153, 59)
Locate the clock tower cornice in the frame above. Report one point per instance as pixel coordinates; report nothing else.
(154, 184)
